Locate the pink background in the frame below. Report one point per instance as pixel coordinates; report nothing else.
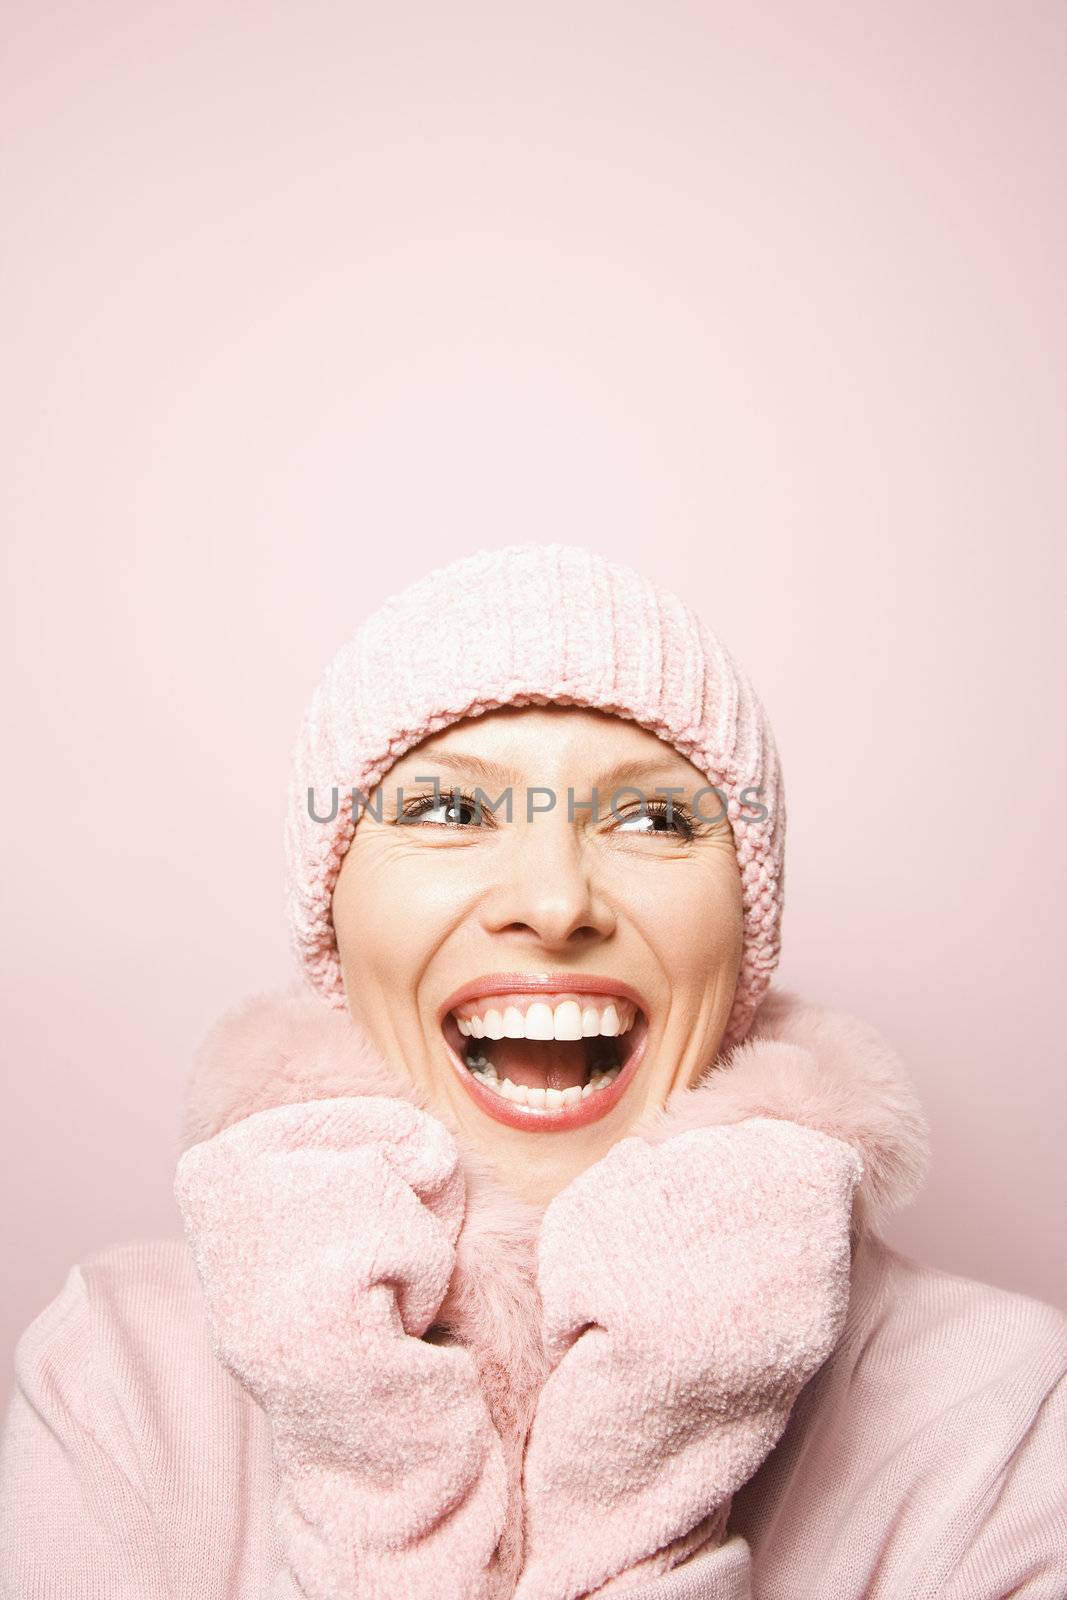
(300, 300)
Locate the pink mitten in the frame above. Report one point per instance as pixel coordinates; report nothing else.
(690, 1290)
(324, 1235)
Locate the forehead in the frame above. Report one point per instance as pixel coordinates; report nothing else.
(519, 741)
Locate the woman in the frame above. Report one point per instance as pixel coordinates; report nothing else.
(532, 1244)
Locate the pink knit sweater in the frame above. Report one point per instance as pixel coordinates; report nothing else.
(927, 1457)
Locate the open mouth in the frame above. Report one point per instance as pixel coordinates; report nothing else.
(547, 1059)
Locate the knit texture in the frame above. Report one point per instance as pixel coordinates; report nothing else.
(324, 1235)
(543, 625)
(690, 1290)
(926, 1460)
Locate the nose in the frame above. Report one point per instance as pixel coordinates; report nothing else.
(546, 889)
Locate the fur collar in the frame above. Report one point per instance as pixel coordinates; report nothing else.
(802, 1061)
(807, 1062)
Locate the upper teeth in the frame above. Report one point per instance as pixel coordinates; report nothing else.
(516, 1018)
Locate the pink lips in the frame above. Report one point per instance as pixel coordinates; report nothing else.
(528, 1119)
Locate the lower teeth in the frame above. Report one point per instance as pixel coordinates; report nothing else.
(601, 1076)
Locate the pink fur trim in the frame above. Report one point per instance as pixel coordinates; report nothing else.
(806, 1062)
(280, 1047)
(824, 1068)
(493, 1307)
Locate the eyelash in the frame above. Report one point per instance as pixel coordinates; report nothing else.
(425, 801)
(654, 808)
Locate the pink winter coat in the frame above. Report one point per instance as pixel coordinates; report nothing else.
(925, 1457)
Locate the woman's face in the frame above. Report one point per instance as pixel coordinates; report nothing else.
(524, 946)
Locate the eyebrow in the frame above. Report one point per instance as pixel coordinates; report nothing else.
(493, 772)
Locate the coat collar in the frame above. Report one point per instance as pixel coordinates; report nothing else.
(807, 1062)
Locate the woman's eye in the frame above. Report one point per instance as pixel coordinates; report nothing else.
(660, 818)
(452, 805)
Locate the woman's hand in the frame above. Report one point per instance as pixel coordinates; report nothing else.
(316, 1226)
(324, 1235)
(690, 1290)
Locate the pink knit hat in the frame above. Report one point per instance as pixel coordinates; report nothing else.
(532, 625)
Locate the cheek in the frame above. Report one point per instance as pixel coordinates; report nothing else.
(696, 914)
(389, 910)
(719, 922)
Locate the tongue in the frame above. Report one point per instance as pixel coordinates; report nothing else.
(541, 1063)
